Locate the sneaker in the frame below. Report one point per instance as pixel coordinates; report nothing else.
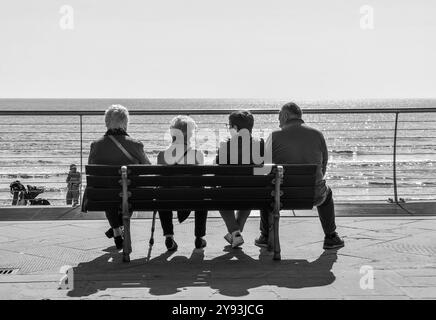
(170, 244)
(237, 239)
(118, 242)
(333, 242)
(228, 238)
(200, 243)
(262, 241)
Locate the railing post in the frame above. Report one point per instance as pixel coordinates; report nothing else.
(394, 160)
(81, 158)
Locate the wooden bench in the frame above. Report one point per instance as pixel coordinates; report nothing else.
(209, 187)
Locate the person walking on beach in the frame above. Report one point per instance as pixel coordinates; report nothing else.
(74, 180)
(116, 147)
(238, 149)
(181, 152)
(297, 143)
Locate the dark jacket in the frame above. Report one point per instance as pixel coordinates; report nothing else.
(104, 151)
(297, 143)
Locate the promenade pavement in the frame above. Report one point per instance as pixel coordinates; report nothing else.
(383, 258)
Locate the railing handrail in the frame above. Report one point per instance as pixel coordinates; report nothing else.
(215, 111)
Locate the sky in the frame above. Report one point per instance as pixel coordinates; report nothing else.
(303, 49)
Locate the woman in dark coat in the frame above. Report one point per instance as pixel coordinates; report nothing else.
(107, 150)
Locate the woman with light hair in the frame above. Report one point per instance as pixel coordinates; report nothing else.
(116, 147)
(180, 151)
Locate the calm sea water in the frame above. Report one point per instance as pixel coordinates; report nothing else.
(38, 150)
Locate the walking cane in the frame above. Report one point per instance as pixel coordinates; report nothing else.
(151, 242)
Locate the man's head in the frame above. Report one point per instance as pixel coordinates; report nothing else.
(117, 117)
(73, 168)
(289, 112)
(241, 119)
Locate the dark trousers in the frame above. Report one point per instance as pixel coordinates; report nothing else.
(326, 213)
(166, 221)
(115, 218)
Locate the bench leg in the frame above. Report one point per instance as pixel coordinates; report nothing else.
(271, 239)
(276, 241)
(127, 243)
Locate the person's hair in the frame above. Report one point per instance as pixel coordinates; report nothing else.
(242, 119)
(292, 109)
(116, 117)
(185, 124)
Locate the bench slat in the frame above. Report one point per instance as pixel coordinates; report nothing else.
(182, 205)
(191, 169)
(103, 205)
(298, 181)
(182, 193)
(297, 193)
(201, 204)
(297, 204)
(300, 169)
(196, 181)
(102, 170)
(105, 170)
(103, 182)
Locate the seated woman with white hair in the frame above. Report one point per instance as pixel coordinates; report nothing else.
(181, 152)
(116, 147)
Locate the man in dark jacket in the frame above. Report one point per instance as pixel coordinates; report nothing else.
(116, 147)
(297, 143)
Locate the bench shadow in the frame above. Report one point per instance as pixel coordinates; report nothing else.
(232, 274)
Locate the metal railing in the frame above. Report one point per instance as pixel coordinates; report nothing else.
(375, 154)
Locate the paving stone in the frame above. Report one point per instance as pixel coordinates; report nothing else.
(420, 292)
(400, 249)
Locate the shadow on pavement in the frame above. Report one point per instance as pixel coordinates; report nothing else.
(232, 274)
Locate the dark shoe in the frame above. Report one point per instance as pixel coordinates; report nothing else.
(200, 243)
(333, 242)
(237, 239)
(118, 242)
(109, 233)
(171, 244)
(262, 241)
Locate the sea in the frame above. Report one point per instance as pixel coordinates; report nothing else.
(37, 149)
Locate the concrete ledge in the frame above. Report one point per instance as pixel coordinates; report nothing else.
(365, 209)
